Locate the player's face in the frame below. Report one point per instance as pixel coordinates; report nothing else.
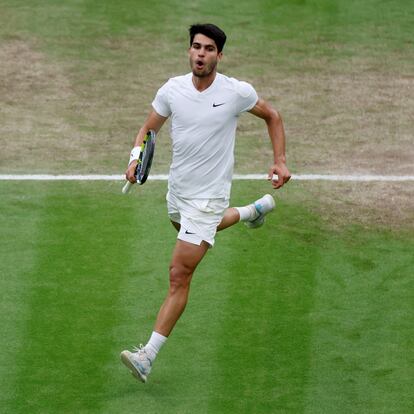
(203, 55)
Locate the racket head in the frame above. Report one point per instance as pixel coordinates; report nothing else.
(145, 158)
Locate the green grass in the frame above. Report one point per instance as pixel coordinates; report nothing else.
(291, 318)
(310, 314)
(303, 26)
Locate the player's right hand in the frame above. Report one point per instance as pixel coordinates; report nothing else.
(130, 172)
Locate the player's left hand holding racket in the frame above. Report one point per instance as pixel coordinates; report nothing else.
(144, 161)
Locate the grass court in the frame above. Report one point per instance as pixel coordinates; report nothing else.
(311, 313)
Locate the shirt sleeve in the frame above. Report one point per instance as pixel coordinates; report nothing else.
(246, 97)
(161, 102)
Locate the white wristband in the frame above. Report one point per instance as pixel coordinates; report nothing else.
(134, 154)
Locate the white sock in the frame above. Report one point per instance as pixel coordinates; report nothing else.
(155, 344)
(247, 212)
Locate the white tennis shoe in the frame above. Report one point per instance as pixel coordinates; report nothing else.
(263, 206)
(138, 362)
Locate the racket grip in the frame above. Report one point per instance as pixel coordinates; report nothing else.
(126, 187)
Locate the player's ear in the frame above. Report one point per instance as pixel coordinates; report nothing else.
(219, 56)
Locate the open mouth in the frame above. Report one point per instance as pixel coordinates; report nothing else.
(199, 64)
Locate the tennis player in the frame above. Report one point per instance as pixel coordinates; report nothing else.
(204, 107)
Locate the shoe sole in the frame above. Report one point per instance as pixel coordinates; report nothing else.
(135, 372)
(258, 222)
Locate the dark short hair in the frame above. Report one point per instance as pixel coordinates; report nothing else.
(211, 31)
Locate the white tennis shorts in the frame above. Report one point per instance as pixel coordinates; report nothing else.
(198, 218)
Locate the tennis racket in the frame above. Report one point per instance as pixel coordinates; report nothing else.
(144, 161)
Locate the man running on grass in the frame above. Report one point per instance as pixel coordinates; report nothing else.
(204, 106)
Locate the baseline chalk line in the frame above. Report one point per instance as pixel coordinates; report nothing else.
(164, 177)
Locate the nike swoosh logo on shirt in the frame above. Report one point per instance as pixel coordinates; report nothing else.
(215, 105)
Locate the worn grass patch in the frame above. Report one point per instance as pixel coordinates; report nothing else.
(78, 79)
(384, 205)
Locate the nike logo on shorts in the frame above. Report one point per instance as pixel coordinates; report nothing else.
(216, 105)
(187, 232)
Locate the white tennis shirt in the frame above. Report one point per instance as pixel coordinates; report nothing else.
(203, 130)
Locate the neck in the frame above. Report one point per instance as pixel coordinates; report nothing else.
(203, 82)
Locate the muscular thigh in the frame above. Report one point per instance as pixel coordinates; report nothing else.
(188, 255)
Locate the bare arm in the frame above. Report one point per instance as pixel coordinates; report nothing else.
(274, 123)
(154, 122)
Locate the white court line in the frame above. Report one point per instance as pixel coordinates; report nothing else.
(163, 177)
